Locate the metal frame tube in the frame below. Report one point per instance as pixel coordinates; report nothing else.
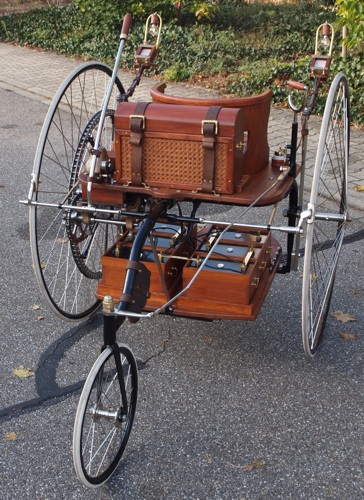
(102, 119)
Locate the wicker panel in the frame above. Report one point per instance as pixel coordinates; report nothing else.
(221, 159)
(174, 162)
(125, 158)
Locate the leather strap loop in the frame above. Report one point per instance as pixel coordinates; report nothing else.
(137, 125)
(209, 131)
(126, 297)
(132, 264)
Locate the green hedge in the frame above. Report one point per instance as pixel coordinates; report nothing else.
(254, 46)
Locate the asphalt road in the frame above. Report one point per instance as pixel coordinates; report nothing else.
(214, 397)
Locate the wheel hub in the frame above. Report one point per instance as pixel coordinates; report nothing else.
(118, 416)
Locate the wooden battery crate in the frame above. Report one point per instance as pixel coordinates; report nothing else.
(114, 263)
(232, 284)
(235, 280)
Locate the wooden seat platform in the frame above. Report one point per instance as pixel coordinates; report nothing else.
(252, 187)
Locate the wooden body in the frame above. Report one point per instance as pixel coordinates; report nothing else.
(236, 278)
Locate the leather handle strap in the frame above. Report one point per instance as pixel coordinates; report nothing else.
(209, 131)
(137, 126)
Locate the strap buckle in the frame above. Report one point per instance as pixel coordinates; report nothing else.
(140, 117)
(213, 122)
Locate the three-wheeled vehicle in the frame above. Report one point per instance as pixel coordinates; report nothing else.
(114, 200)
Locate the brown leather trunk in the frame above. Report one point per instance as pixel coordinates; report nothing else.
(193, 148)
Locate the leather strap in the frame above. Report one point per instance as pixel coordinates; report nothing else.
(209, 131)
(126, 297)
(137, 125)
(136, 266)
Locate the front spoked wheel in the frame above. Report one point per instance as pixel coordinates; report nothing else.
(326, 228)
(66, 247)
(105, 415)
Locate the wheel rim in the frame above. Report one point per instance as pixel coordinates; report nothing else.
(60, 156)
(101, 430)
(328, 196)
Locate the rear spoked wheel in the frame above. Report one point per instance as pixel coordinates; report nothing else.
(326, 228)
(105, 416)
(67, 249)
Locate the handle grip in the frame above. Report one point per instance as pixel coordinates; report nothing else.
(126, 26)
(297, 85)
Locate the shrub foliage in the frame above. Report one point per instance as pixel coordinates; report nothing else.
(251, 45)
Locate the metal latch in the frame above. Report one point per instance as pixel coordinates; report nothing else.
(248, 256)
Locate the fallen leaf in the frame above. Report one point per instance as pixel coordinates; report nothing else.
(256, 464)
(359, 188)
(348, 336)
(164, 344)
(39, 318)
(22, 372)
(315, 277)
(42, 266)
(343, 317)
(35, 307)
(2, 185)
(207, 458)
(209, 339)
(10, 436)
(62, 240)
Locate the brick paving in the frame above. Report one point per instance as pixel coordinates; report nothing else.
(37, 75)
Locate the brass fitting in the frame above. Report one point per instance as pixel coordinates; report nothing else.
(108, 304)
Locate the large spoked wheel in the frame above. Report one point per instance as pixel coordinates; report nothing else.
(103, 423)
(326, 228)
(66, 248)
